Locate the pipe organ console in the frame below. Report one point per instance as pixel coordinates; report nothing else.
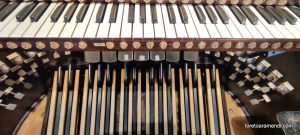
(148, 66)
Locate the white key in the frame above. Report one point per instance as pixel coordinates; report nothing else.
(93, 25)
(294, 29)
(190, 26)
(60, 24)
(201, 28)
(70, 26)
(271, 28)
(232, 29)
(23, 26)
(126, 27)
(179, 26)
(115, 28)
(242, 29)
(137, 27)
(105, 25)
(11, 16)
(212, 29)
(221, 27)
(48, 25)
(170, 30)
(10, 27)
(35, 26)
(148, 26)
(81, 27)
(159, 26)
(284, 29)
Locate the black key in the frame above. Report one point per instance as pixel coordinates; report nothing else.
(183, 15)
(57, 12)
(295, 10)
(131, 13)
(222, 14)
(38, 12)
(25, 12)
(200, 14)
(142, 13)
(153, 13)
(238, 14)
(212, 16)
(172, 17)
(82, 12)
(290, 18)
(70, 12)
(7, 10)
(113, 13)
(2, 4)
(250, 15)
(268, 17)
(276, 13)
(101, 13)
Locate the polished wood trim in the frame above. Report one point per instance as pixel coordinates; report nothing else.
(201, 103)
(139, 103)
(192, 104)
(165, 105)
(122, 89)
(210, 104)
(63, 106)
(52, 105)
(182, 107)
(94, 104)
(220, 104)
(174, 103)
(75, 104)
(84, 103)
(103, 102)
(147, 103)
(112, 103)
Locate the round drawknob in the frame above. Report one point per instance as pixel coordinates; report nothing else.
(175, 45)
(159, 1)
(40, 45)
(258, 2)
(172, 1)
(282, 2)
(31, 54)
(121, 1)
(222, 1)
(82, 45)
(189, 45)
(214, 45)
(209, 2)
(1, 46)
(4, 68)
(136, 45)
(239, 45)
(123, 45)
(150, 45)
(246, 2)
(18, 60)
(234, 2)
(26, 45)
(134, 1)
(11, 45)
(163, 45)
(201, 45)
(288, 45)
(270, 2)
(276, 45)
(147, 1)
(252, 45)
(110, 45)
(68, 45)
(197, 1)
(54, 45)
(264, 45)
(184, 1)
(227, 45)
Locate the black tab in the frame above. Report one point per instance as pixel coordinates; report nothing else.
(171, 14)
(200, 14)
(113, 13)
(295, 10)
(268, 17)
(101, 13)
(276, 13)
(25, 12)
(38, 12)
(212, 16)
(82, 12)
(222, 14)
(142, 13)
(153, 13)
(7, 10)
(57, 12)
(2, 4)
(250, 15)
(238, 14)
(131, 13)
(70, 12)
(183, 15)
(290, 18)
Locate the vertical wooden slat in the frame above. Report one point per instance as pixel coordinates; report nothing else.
(52, 105)
(182, 108)
(165, 105)
(210, 104)
(112, 103)
(75, 104)
(94, 104)
(192, 105)
(201, 103)
(84, 103)
(130, 94)
(121, 118)
(147, 103)
(63, 105)
(139, 103)
(220, 104)
(156, 121)
(103, 102)
(174, 104)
